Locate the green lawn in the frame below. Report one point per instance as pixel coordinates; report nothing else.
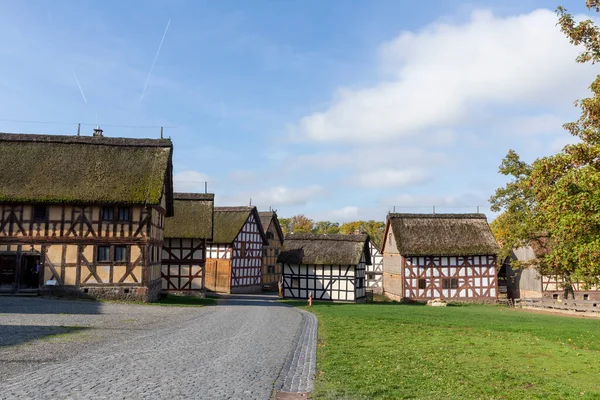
(392, 351)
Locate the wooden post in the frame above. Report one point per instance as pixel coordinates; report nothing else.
(310, 299)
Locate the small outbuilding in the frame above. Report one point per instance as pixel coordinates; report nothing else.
(235, 253)
(187, 233)
(451, 256)
(331, 267)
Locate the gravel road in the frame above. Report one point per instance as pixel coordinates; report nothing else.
(235, 350)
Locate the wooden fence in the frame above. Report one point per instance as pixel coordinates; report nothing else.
(588, 306)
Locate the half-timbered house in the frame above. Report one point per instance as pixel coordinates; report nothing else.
(187, 233)
(451, 256)
(271, 270)
(374, 271)
(330, 267)
(83, 215)
(234, 255)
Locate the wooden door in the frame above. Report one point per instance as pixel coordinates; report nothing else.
(8, 270)
(218, 275)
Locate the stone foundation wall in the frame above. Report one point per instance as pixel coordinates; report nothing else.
(146, 294)
(246, 289)
(579, 295)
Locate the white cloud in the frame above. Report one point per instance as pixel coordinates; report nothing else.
(532, 125)
(365, 159)
(389, 177)
(443, 75)
(276, 196)
(345, 214)
(190, 181)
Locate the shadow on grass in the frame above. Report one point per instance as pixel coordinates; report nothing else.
(11, 335)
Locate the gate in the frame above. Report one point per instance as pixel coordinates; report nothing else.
(218, 275)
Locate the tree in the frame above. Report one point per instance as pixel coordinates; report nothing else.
(300, 224)
(373, 228)
(326, 227)
(557, 199)
(517, 225)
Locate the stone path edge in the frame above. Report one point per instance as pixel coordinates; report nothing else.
(298, 372)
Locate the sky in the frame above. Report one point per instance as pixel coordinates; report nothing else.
(338, 110)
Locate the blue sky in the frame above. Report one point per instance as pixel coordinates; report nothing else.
(335, 109)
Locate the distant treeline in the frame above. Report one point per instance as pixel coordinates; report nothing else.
(303, 224)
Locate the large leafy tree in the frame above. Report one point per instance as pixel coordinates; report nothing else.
(558, 197)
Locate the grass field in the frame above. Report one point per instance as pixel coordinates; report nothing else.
(392, 351)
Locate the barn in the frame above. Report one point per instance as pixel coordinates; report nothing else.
(235, 253)
(271, 269)
(528, 283)
(331, 267)
(186, 236)
(451, 256)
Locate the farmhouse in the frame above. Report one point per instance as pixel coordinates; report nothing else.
(528, 283)
(428, 256)
(331, 267)
(374, 271)
(271, 269)
(234, 255)
(186, 236)
(83, 215)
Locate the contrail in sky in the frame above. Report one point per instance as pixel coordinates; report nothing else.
(155, 58)
(79, 85)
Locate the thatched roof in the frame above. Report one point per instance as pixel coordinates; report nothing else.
(228, 222)
(308, 248)
(193, 217)
(270, 217)
(85, 169)
(442, 234)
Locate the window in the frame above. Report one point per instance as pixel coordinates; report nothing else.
(107, 214)
(555, 296)
(124, 214)
(390, 238)
(243, 249)
(276, 252)
(265, 252)
(454, 283)
(370, 276)
(360, 283)
(445, 283)
(586, 296)
(270, 269)
(40, 213)
(295, 282)
(120, 253)
(422, 283)
(103, 254)
(270, 235)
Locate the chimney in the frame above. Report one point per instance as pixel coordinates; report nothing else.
(98, 131)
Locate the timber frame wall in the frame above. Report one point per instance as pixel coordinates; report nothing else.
(450, 277)
(374, 271)
(326, 282)
(67, 240)
(183, 265)
(271, 270)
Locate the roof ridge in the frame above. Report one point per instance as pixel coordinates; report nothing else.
(85, 140)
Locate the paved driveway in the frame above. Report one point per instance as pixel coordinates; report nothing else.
(236, 350)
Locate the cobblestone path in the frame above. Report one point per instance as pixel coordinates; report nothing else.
(236, 350)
